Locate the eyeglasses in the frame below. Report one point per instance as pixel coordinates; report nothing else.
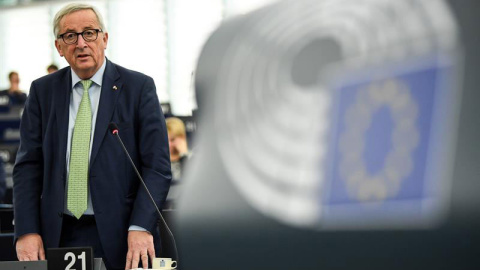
(88, 35)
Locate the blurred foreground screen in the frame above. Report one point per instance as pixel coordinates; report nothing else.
(337, 134)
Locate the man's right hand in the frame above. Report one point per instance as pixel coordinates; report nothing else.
(30, 247)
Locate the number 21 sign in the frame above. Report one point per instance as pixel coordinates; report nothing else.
(78, 258)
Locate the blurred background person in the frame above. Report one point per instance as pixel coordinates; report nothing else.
(177, 138)
(52, 68)
(14, 94)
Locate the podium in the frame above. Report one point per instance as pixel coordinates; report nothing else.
(15, 265)
(42, 265)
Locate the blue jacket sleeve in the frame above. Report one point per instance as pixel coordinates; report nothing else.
(28, 170)
(155, 158)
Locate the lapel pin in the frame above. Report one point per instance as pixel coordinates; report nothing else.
(114, 87)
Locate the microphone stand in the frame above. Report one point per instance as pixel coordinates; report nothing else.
(115, 133)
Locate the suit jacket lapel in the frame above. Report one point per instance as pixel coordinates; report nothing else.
(111, 87)
(61, 101)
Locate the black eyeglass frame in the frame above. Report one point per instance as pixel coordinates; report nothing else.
(80, 33)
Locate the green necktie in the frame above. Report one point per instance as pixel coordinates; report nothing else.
(78, 174)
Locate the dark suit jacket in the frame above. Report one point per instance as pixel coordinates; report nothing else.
(127, 98)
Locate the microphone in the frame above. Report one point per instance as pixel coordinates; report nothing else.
(114, 129)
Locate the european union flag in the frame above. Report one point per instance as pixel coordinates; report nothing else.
(389, 128)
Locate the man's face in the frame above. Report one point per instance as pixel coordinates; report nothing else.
(14, 79)
(85, 58)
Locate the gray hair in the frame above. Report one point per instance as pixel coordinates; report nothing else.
(71, 8)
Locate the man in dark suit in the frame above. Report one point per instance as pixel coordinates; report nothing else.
(73, 185)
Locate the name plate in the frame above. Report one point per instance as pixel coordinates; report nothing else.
(77, 258)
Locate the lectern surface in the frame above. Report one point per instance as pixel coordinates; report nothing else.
(33, 265)
(41, 265)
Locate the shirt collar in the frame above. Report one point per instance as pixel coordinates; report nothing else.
(96, 78)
